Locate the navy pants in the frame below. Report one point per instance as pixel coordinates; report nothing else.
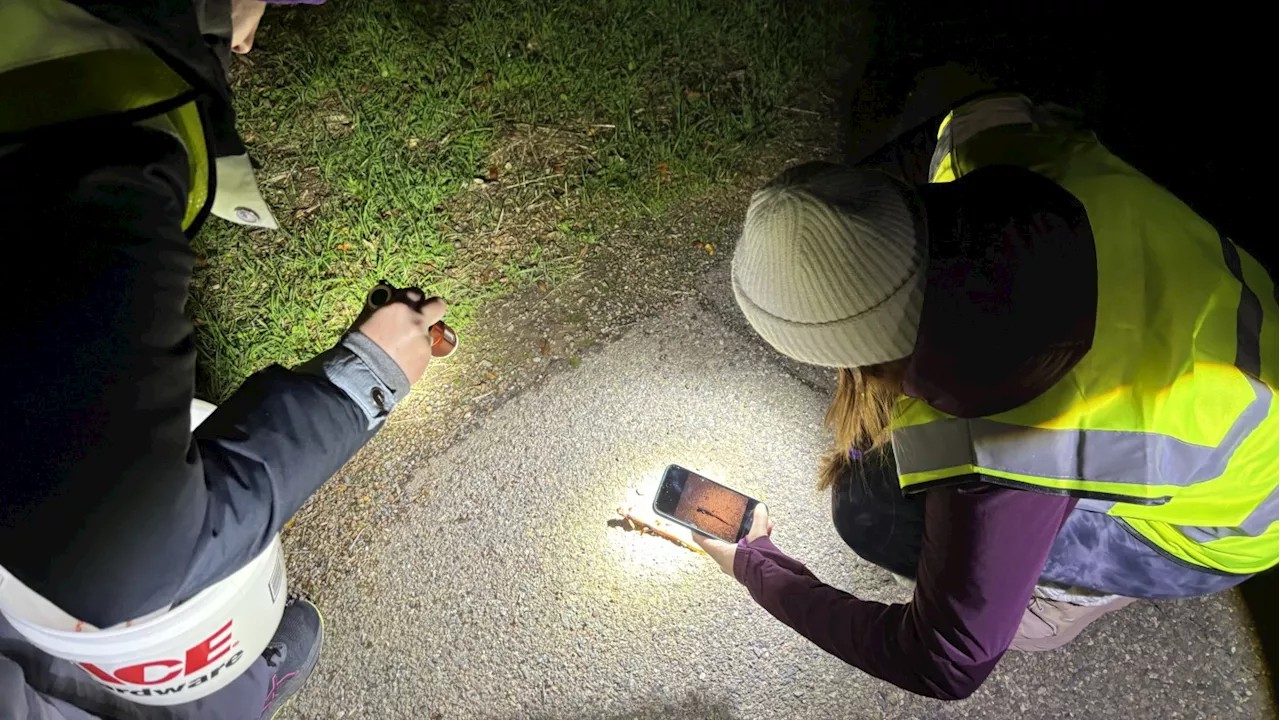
(1093, 550)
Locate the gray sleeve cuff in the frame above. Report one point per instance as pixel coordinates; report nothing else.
(365, 372)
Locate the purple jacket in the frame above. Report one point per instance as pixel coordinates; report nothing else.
(983, 549)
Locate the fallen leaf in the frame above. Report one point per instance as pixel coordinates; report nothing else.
(692, 94)
(491, 376)
(664, 172)
(711, 249)
(413, 143)
(493, 173)
(364, 499)
(545, 347)
(344, 247)
(591, 131)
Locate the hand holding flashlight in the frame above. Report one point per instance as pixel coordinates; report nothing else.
(408, 326)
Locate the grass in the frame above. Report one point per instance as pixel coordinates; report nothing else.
(474, 146)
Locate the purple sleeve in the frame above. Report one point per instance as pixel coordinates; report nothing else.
(982, 553)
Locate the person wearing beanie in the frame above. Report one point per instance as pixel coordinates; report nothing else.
(1056, 394)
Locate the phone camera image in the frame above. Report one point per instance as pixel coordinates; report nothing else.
(712, 508)
(703, 505)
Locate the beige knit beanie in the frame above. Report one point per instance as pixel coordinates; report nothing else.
(831, 264)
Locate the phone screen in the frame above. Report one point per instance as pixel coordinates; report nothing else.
(703, 505)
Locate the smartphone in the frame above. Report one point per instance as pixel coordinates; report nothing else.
(703, 505)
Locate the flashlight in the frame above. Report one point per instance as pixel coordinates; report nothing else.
(443, 339)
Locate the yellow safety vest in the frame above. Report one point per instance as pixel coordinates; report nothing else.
(1169, 423)
(60, 65)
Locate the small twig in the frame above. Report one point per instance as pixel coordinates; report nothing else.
(358, 536)
(529, 182)
(799, 110)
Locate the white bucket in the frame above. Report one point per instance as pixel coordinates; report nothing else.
(173, 655)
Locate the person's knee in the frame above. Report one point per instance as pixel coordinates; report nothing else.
(876, 521)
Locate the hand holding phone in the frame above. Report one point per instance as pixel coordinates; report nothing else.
(726, 553)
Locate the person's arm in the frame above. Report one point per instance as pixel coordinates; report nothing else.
(109, 507)
(983, 550)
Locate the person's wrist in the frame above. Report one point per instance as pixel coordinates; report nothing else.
(741, 558)
(380, 362)
(353, 375)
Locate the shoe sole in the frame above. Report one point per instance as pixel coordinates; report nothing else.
(313, 660)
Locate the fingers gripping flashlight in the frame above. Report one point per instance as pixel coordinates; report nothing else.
(443, 339)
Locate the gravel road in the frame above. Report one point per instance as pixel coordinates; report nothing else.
(503, 592)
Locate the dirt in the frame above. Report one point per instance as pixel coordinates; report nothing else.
(628, 274)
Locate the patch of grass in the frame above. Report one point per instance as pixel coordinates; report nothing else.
(471, 147)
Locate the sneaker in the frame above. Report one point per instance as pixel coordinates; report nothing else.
(1049, 624)
(292, 653)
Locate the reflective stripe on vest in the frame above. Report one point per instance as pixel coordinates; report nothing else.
(1170, 423)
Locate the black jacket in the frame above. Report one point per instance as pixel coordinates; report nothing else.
(109, 507)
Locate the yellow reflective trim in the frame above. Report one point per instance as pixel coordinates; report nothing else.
(946, 170)
(1235, 554)
(907, 480)
(1239, 555)
(1148, 492)
(37, 31)
(945, 122)
(1250, 476)
(1198, 407)
(104, 82)
(186, 121)
(913, 411)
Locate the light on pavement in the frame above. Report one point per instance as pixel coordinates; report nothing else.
(653, 545)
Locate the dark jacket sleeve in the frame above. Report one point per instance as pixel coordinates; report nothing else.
(108, 507)
(983, 550)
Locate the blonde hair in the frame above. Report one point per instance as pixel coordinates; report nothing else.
(861, 414)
